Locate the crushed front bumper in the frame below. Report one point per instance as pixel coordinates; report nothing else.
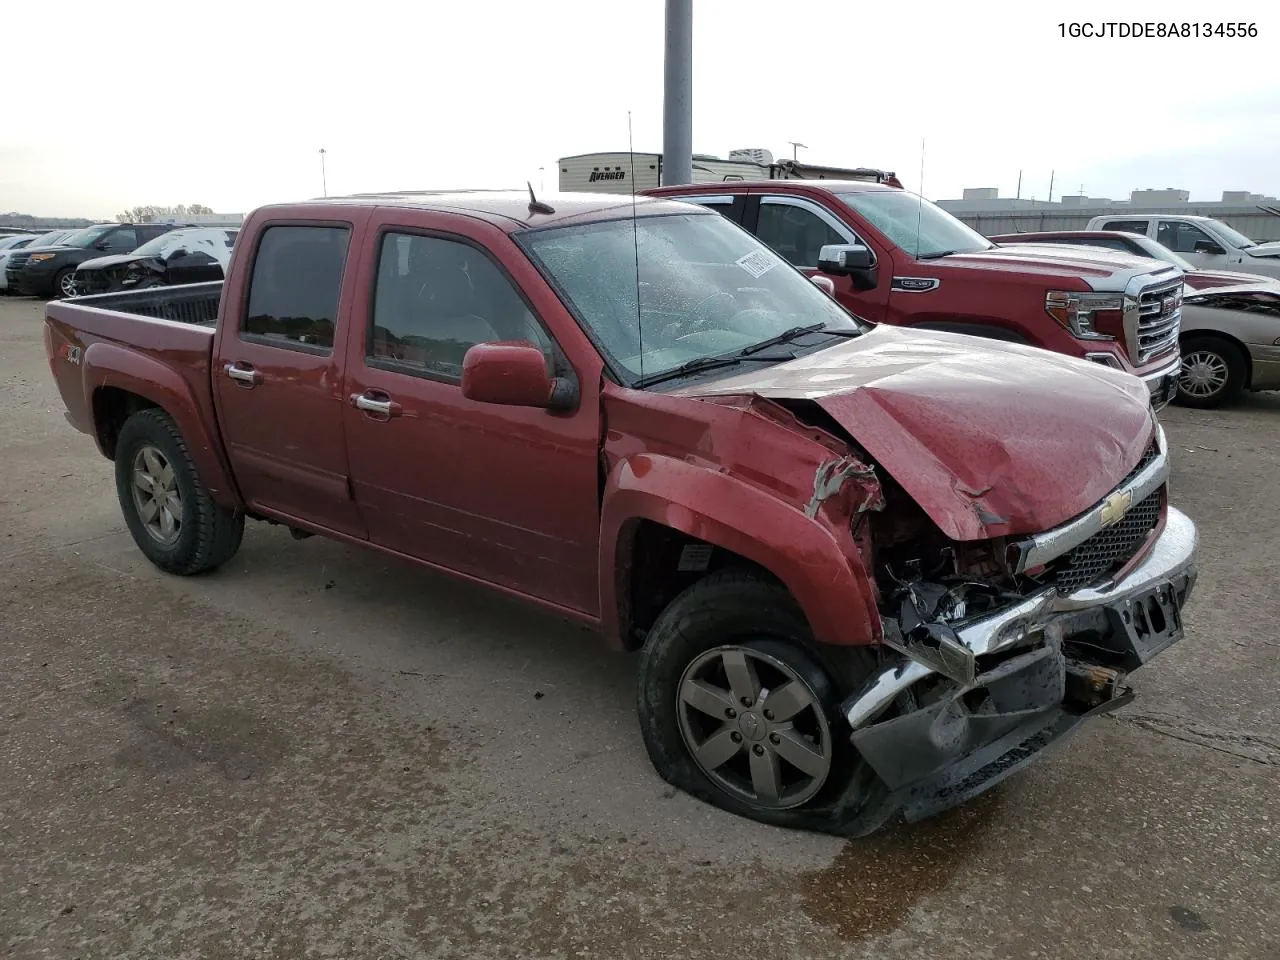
(1042, 666)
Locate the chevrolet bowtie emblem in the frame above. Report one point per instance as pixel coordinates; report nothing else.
(1115, 507)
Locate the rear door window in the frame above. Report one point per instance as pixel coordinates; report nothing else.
(295, 286)
(1127, 226)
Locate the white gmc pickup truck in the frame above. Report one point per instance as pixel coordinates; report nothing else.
(1208, 243)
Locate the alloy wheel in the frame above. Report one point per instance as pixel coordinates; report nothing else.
(754, 726)
(156, 496)
(1204, 373)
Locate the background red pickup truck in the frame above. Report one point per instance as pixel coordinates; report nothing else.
(910, 263)
(870, 569)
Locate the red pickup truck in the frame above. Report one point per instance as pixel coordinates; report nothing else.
(894, 257)
(868, 569)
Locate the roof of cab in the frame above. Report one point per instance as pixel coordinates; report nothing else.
(797, 183)
(509, 209)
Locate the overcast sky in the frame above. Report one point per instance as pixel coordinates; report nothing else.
(227, 104)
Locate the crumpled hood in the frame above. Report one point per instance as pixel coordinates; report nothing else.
(1208, 279)
(104, 263)
(989, 438)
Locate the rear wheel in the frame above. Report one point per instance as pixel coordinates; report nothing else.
(173, 519)
(737, 710)
(1213, 372)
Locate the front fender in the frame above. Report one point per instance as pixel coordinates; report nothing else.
(813, 562)
(110, 365)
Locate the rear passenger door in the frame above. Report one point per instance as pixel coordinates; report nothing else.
(505, 494)
(278, 375)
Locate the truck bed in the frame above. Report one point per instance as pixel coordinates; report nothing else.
(158, 343)
(194, 303)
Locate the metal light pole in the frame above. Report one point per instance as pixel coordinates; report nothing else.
(324, 182)
(796, 147)
(677, 95)
(542, 180)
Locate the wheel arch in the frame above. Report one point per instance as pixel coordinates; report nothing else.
(657, 506)
(119, 382)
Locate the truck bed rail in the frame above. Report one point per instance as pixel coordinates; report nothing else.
(194, 303)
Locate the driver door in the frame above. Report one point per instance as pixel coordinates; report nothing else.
(505, 494)
(1193, 243)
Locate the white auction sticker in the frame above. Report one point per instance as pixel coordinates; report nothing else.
(757, 263)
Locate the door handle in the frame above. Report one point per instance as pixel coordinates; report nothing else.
(384, 407)
(243, 373)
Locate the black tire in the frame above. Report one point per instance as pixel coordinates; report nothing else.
(207, 535)
(1209, 353)
(59, 279)
(741, 608)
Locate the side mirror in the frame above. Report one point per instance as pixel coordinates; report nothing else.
(849, 259)
(825, 284)
(1204, 246)
(514, 374)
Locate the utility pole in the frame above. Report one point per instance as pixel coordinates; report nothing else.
(324, 182)
(677, 95)
(1019, 196)
(542, 180)
(796, 146)
(1051, 173)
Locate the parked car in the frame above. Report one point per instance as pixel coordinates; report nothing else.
(1230, 332)
(1208, 243)
(189, 255)
(868, 569)
(49, 271)
(894, 257)
(1139, 246)
(25, 243)
(1230, 343)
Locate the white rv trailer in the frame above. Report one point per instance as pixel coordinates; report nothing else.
(622, 172)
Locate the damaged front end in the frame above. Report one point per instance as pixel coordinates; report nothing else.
(1001, 648)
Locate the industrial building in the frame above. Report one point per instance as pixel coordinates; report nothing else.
(1253, 214)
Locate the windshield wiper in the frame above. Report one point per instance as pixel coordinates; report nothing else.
(786, 336)
(935, 255)
(699, 364)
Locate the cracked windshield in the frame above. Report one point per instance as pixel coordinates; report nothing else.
(706, 289)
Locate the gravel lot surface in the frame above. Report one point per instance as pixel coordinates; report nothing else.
(316, 752)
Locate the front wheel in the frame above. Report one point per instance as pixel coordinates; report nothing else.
(64, 283)
(737, 710)
(1213, 372)
(169, 511)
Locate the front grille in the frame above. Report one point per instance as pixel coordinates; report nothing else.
(1159, 319)
(94, 281)
(1106, 552)
(17, 261)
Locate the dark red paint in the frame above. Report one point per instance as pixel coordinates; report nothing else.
(545, 504)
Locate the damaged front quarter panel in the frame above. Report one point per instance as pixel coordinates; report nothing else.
(831, 478)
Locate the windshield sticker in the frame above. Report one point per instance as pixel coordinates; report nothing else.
(757, 263)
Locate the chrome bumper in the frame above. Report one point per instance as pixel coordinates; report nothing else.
(1170, 566)
(1163, 383)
